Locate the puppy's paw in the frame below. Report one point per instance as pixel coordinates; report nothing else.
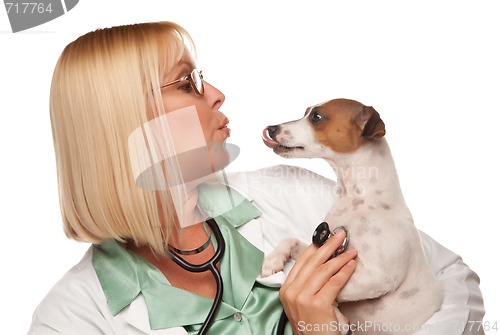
(286, 249)
(274, 263)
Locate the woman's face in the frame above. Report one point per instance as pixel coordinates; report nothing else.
(182, 94)
(200, 132)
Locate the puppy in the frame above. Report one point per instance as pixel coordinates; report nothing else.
(393, 290)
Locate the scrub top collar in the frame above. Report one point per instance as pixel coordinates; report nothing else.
(124, 275)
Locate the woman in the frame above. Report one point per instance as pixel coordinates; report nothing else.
(139, 142)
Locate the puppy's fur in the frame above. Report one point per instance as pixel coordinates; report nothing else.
(393, 286)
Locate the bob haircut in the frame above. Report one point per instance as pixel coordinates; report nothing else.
(104, 85)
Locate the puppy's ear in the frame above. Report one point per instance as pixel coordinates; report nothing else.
(370, 123)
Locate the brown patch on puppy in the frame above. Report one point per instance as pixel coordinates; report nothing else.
(345, 125)
(409, 293)
(385, 206)
(356, 203)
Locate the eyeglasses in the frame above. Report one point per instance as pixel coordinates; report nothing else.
(195, 78)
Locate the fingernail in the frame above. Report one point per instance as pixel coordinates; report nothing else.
(352, 252)
(339, 233)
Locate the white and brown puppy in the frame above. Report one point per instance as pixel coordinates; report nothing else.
(393, 289)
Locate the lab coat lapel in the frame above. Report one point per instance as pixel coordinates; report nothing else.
(136, 315)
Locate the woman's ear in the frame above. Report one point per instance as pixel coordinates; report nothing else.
(370, 123)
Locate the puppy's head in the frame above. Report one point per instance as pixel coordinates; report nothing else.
(338, 126)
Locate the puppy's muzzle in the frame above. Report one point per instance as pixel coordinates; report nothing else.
(273, 131)
(269, 136)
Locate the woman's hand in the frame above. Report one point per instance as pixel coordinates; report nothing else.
(309, 292)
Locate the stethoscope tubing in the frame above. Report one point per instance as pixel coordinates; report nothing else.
(210, 265)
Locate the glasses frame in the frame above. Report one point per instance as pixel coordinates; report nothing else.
(192, 81)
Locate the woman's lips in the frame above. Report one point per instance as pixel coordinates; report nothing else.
(224, 127)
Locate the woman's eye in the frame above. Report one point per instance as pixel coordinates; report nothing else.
(315, 117)
(186, 87)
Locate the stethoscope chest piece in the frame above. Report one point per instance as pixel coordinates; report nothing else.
(322, 234)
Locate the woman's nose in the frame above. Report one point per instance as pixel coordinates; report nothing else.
(215, 97)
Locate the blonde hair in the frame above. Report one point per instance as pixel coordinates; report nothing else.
(103, 86)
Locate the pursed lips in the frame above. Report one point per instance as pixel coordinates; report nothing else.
(223, 126)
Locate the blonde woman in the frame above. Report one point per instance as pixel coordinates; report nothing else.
(140, 145)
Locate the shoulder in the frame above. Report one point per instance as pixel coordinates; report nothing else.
(293, 200)
(462, 297)
(75, 302)
(287, 192)
(280, 172)
(281, 180)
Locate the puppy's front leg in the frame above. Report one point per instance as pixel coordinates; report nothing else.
(342, 324)
(286, 249)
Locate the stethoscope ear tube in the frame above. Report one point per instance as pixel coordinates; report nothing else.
(210, 265)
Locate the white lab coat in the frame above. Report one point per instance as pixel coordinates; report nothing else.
(293, 202)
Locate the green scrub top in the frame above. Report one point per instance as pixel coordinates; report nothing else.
(247, 308)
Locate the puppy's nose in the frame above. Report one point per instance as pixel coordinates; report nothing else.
(273, 131)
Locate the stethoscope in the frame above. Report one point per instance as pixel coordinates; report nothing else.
(320, 236)
(210, 265)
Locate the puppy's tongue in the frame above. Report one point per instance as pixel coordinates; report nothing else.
(268, 140)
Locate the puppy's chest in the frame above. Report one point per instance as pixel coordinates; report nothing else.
(368, 219)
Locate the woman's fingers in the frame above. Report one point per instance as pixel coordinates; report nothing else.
(318, 277)
(309, 296)
(299, 263)
(335, 284)
(325, 281)
(313, 257)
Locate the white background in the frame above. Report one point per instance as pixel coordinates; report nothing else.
(431, 68)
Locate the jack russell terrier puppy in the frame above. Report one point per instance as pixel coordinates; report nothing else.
(393, 288)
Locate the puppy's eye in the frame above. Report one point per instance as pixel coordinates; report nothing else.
(315, 117)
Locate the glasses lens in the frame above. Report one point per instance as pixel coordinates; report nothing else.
(197, 80)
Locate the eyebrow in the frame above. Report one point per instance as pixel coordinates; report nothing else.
(183, 67)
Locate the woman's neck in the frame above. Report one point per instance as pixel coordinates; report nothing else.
(191, 235)
(189, 238)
